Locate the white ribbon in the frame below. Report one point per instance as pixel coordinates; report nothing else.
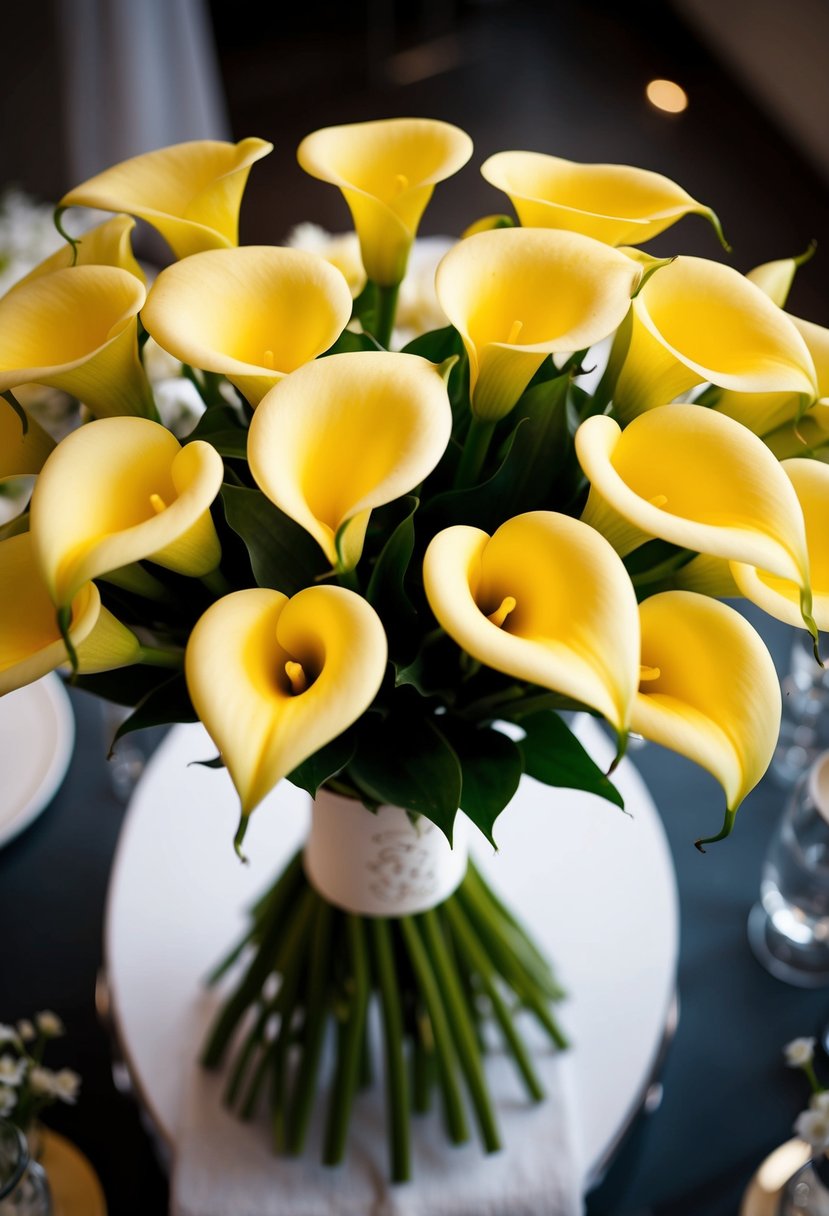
(381, 864)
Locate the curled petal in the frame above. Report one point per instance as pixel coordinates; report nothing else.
(107, 244)
(699, 480)
(189, 192)
(30, 641)
(780, 597)
(696, 321)
(387, 171)
(495, 287)
(120, 490)
(76, 330)
(545, 599)
(776, 278)
(345, 434)
(711, 691)
(253, 314)
(617, 204)
(265, 718)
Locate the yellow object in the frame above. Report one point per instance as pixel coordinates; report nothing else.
(21, 454)
(252, 314)
(517, 295)
(544, 599)
(387, 171)
(73, 1182)
(346, 434)
(617, 204)
(107, 244)
(263, 722)
(120, 490)
(190, 192)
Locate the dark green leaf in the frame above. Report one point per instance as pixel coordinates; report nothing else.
(168, 703)
(491, 767)
(482, 506)
(349, 342)
(220, 426)
(282, 555)
(386, 591)
(15, 526)
(405, 761)
(437, 346)
(126, 686)
(553, 754)
(325, 763)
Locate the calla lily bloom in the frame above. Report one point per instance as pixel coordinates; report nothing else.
(345, 434)
(252, 314)
(21, 454)
(764, 413)
(190, 192)
(120, 490)
(545, 599)
(809, 436)
(76, 330)
(387, 171)
(107, 244)
(708, 690)
(777, 596)
(274, 679)
(616, 204)
(31, 644)
(516, 295)
(695, 321)
(699, 480)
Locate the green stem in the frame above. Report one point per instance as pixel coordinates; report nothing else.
(350, 1047)
(397, 1100)
(216, 583)
(316, 1012)
(266, 911)
(349, 580)
(475, 448)
(385, 308)
(154, 656)
(423, 1066)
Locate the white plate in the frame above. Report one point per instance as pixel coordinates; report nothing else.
(37, 735)
(597, 887)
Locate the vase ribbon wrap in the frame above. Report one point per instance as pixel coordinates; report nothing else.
(381, 863)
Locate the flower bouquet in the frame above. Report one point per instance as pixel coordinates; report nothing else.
(384, 575)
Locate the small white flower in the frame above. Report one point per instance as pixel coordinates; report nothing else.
(8, 1100)
(42, 1081)
(12, 1070)
(813, 1127)
(66, 1085)
(799, 1052)
(820, 1102)
(49, 1023)
(8, 1034)
(26, 1030)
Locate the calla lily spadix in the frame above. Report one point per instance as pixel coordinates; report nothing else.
(695, 321)
(120, 490)
(544, 599)
(21, 454)
(30, 641)
(777, 596)
(516, 295)
(387, 171)
(252, 314)
(709, 690)
(345, 434)
(76, 330)
(616, 204)
(699, 480)
(274, 679)
(190, 192)
(107, 244)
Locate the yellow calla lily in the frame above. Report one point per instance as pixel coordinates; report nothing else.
(779, 597)
(709, 690)
(30, 641)
(345, 434)
(617, 204)
(21, 454)
(76, 330)
(190, 192)
(545, 599)
(809, 436)
(699, 480)
(695, 321)
(516, 295)
(764, 413)
(252, 314)
(387, 171)
(274, 679)
(107, 244)
(120, 490)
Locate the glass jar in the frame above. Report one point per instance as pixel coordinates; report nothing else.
(807, 1191)
(24, 1187)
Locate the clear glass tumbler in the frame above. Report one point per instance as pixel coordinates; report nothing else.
(804, 729)
(789, 927)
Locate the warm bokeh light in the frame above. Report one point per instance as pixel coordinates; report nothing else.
(667, 95)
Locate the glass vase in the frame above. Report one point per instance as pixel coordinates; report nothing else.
(807, 1191)
(24, 1187)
